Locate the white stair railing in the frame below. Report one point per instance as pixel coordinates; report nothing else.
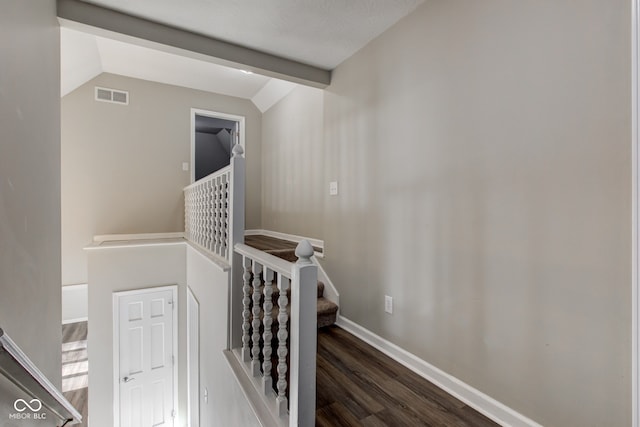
(208, 206)
(295, 340)
(214, 221)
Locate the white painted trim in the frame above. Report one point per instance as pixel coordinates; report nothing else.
(66, 290)
(290, 237)
(76, 320)
(263, 407)
(330, 291)
(635, 226)
(216, 115)
(141, 236)
(116, 346)
(75, 286)
(476, 399)
(213, 258)
(193, 402)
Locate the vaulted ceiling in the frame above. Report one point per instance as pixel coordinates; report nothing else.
(316, 33)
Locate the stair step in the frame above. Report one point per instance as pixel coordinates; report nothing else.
(276, 292)
(327, 313)
(327, 310)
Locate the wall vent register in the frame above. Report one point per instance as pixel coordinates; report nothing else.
(113, 96)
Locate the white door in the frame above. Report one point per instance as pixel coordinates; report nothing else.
(146, 358)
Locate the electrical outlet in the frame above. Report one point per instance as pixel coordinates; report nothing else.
(206, 395)
(388, 304)
(333, 188)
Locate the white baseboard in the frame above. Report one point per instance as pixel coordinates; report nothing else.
(284, 236)
(78, 319)
(330, 291)
(476, 399)
(74, 303)
(140, 236)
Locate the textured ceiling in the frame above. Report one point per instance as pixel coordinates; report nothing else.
(322, 33)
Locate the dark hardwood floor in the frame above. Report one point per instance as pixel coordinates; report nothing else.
(75, 368)
(358, 385)
(266, 243)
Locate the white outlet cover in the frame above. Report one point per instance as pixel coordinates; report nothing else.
(388, 304)
(333, 188)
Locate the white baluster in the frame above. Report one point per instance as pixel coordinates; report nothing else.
(255, 353)
(267, 336)
(246, 312)
(210, 194)
(225, 217)
(283, 319)
(302, 391)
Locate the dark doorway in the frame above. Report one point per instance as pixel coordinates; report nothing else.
(214, 140)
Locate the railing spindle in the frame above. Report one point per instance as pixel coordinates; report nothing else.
(246, 313)
(267, 335)
(255, 353)
(283, 319)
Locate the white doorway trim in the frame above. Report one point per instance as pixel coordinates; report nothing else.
(635, 294)
(116, 345)
(215, 115)
(193, 359)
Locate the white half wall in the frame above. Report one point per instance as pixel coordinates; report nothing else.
(75, 303)
(225, 404)
(122, 267)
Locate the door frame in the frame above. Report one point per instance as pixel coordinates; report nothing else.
(116, 345)
(193, 346)
(635, 216)
(215, 115)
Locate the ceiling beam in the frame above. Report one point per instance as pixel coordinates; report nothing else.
(123, 27)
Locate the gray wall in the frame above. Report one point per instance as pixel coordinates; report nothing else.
(293, 184)
(122, 165)
(500, 222)
(30, 186)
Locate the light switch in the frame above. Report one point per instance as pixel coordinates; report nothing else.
(185, 166)
(333, 188)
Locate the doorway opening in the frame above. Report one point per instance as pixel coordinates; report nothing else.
(213, 136)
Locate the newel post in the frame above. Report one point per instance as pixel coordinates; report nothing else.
(236, 235)
(304, 288)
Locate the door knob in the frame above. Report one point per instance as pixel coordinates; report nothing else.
(127, 379)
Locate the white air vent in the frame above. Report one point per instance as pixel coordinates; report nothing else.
(112, 95)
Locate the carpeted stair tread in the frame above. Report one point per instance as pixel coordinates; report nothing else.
(327, 310)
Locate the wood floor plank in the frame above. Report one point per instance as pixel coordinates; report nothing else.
(422, 407)
(336, 415)
(425, 388)
(475, 418)
(377, 391)
(343, 387)
(76, 333)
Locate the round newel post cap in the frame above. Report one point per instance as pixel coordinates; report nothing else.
(304, 252)
(237, 150)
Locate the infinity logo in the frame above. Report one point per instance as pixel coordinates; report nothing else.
(24, 405)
